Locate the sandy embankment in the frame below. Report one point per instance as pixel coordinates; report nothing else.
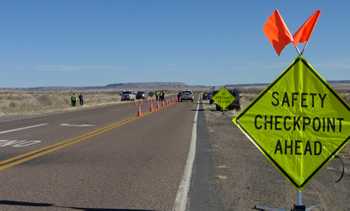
(16, 103)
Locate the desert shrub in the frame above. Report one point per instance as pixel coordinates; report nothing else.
(44, 100)
(12, 105)
(347, 99)
(16, 97)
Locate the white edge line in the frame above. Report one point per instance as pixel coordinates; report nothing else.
(76, 125)
(23, 128)
(182, 192)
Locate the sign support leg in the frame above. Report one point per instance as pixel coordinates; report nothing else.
(299, 206)
(299, 198)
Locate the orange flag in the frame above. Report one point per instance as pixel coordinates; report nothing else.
(277, 32)
(304, 32)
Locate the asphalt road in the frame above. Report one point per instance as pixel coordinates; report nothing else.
(95, 159)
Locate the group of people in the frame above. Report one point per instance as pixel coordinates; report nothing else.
(160, 95)
(73, 99)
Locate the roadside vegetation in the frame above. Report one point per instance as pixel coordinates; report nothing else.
(23, 103)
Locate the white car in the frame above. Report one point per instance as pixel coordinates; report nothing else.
(186, 95)
(128, 95)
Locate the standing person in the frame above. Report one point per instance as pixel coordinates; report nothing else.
(162, 95)
(81, 99)
(73, 100)
(178, 96)
(157, 95)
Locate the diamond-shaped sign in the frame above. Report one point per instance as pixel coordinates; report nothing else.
(299, 122)
(223, 98)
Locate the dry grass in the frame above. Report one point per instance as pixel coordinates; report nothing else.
(18, 102)
(38, 102)
(346, 97)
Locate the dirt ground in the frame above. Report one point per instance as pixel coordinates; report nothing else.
(245, 178)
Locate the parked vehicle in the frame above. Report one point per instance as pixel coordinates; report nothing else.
(140, 95)
(205, 96)
(128, 95)
(186, 95)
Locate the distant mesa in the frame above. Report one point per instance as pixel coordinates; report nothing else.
(338, 84)
(146, 85)
(115, 86)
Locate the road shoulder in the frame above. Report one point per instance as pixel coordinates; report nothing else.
(204, 194)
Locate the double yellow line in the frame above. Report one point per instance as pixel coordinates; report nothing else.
(64, 143)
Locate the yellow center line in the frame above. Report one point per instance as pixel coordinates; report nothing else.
(4, 164)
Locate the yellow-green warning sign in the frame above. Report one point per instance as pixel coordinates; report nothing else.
(299, 122)
(223, 98)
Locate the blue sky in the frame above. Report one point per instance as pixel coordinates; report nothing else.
(96, 42)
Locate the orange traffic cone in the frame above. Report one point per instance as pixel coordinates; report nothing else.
(150, 106)
(139, 111)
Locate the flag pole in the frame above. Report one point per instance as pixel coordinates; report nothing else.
(302, 51)
(305, 31)
(298, 51)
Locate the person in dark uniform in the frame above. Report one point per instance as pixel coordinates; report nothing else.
(81, 99)
(178, 96)
(163, 95)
